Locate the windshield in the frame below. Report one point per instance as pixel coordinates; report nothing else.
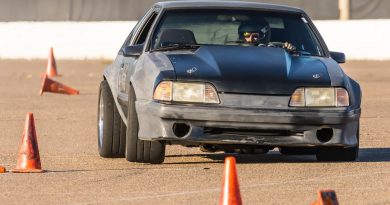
(235, 27)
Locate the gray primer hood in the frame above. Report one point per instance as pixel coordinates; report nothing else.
(252, 70)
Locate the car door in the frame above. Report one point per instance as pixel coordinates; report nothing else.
(128, 63)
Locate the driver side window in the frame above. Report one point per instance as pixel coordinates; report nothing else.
(142, 35)
(130, 36)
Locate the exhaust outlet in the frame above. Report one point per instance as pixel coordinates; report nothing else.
(325, 134)
(181, 129)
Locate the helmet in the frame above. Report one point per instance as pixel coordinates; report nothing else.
(259, 26)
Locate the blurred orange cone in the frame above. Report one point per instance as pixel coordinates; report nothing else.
(230, 194)
(49, 85)
(51, 70)
(326, 197)
(28, 155)
(2, 169)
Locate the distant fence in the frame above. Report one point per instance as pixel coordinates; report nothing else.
(132, 10)
(102, 40)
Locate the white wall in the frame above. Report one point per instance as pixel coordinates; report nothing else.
(358, 39)
(70, 40)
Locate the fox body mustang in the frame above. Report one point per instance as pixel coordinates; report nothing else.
(227, 76)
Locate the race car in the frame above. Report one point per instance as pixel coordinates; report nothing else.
(236, 77)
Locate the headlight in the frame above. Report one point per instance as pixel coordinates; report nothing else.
(186, 92)
(163, 91)
(320, 97)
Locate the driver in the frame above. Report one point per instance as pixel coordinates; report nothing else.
(258, 33)
(255, 32)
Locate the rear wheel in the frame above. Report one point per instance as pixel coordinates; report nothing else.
(140, 150)
(111, 129)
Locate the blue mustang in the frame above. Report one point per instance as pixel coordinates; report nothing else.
(236, 77)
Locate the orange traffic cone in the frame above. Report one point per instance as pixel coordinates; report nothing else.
(326, 197)
(2, 169)
(51, 70)
(230, 194)
(49, 85)
(28, 155)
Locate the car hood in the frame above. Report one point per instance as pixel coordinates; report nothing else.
(251, 70)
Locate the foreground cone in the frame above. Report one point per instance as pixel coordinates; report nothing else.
(28, 155)
(2, 169)
(230, 194)
(326, 197)
(51, 70)
(49, 85)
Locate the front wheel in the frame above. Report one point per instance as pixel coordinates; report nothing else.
(140, 150)
(111, 129)
(327, 154)
(339, 153)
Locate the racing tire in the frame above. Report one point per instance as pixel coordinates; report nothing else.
(111, 129)
(339, 154)
(140, 150)
(247, 151)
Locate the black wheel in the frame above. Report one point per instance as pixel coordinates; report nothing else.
(111, 129)
(297, 151)
(139, 150)
(339, 153)
(247, 151)
(328, 154)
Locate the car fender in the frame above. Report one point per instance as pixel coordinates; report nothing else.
(150, 69)
(111, 76)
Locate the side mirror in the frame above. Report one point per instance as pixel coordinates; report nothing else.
(135, 50)
(338, 57)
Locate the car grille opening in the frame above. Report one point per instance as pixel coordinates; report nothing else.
(181, 129)
(250, 132)
(325, 134)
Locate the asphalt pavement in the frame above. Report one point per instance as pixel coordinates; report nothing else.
(75, 174)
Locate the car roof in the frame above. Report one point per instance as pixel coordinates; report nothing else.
(227, 4)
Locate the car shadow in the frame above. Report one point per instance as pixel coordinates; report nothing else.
(365, 155)
(271, 157)
(374, 155)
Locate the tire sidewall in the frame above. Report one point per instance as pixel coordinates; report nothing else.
(105, 148)
(132, 129)
(139, 150)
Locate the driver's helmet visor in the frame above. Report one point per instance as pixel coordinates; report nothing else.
(258, 35)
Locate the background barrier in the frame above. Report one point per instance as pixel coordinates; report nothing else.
(358, 39)
(132, 10)
(122, 10)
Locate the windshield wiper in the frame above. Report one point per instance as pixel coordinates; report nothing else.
(300, 53)
(177, 46)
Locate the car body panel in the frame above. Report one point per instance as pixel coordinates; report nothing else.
(255, 70)
(154, 115)
(230, 4)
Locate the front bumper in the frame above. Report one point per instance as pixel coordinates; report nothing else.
(248, 126)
